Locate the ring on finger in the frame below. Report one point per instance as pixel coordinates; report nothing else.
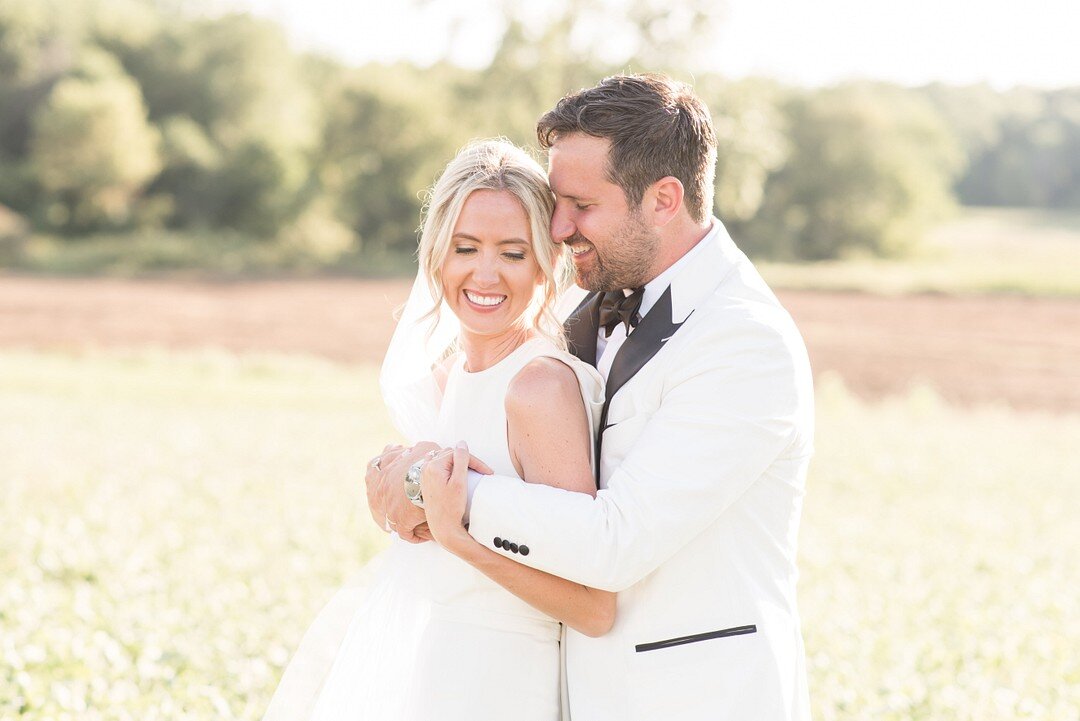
(377, 463)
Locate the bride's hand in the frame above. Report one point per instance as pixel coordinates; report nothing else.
(444, 488)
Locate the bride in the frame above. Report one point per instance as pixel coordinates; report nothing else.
(451, 630)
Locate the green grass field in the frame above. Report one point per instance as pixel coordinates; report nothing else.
(172, 523)
(983, 250)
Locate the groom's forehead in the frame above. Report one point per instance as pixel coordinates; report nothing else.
(575, 160)
(579, 147)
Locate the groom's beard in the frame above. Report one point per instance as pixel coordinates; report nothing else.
(625, 261)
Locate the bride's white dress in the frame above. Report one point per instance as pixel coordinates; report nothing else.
(428, 636)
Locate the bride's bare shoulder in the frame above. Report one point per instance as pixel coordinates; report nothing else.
(545, 383)
(547, 426)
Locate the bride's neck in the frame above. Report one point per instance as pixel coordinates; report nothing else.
(484, 351)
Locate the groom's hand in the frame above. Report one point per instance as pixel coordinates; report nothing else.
(385, 481)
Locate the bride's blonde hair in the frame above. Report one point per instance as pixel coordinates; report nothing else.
(496, 164)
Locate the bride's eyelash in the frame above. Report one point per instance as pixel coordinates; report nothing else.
(468, 250)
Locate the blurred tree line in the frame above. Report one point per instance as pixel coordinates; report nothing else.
(131, 116)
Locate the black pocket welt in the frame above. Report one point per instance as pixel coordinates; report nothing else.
(723, 633)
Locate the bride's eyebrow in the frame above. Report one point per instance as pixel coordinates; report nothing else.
(515, 241)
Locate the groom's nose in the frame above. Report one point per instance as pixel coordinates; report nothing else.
(561, 225)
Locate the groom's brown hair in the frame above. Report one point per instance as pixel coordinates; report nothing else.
(657, 127)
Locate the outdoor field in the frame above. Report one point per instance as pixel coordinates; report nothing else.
(180, 470)
(211, 210)
(173, 518)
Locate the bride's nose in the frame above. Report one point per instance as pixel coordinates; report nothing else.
(486, 271)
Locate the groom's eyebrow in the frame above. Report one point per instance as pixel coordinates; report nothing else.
(575, 198)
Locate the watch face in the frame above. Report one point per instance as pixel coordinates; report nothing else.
(412, 482)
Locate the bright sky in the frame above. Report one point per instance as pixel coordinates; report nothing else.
(808, 42)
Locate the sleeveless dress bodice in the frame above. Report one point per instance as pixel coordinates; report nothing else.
(473, 409)
(429, 636)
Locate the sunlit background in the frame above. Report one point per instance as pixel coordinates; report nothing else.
(207, 216)
(999, 43)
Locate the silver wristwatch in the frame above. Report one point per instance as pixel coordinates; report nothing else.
(412, 483)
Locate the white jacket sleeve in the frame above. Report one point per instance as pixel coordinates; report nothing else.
(733, 403)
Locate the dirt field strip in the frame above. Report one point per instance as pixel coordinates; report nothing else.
(1020, 351)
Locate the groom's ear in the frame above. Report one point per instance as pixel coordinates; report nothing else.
(663, 200)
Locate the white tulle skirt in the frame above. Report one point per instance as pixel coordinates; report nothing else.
(384, 649)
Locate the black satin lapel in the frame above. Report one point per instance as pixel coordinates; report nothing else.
(641, 345)
(581, 328)
(637, 350)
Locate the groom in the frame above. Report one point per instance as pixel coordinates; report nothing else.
(705, 437)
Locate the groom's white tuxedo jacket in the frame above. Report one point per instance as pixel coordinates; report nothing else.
(706, 437)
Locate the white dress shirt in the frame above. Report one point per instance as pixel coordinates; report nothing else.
(607, 347)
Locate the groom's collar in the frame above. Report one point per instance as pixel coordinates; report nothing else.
(696, 274)
(656, 287)
(691, 279)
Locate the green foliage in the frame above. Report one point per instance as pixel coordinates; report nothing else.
(382, 146)
(36, 47)
(752, 143)
(92, 148)
(1022, 146)
(870, 169)
(240, 123)
(36, 40)
(197, 123)
(174, 522)
(1036, 161)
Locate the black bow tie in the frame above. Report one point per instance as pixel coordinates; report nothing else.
(617, 307)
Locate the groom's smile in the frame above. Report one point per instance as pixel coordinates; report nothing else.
(582, 252)
(609, 243)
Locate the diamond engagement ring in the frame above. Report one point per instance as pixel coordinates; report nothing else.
(377, 463)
